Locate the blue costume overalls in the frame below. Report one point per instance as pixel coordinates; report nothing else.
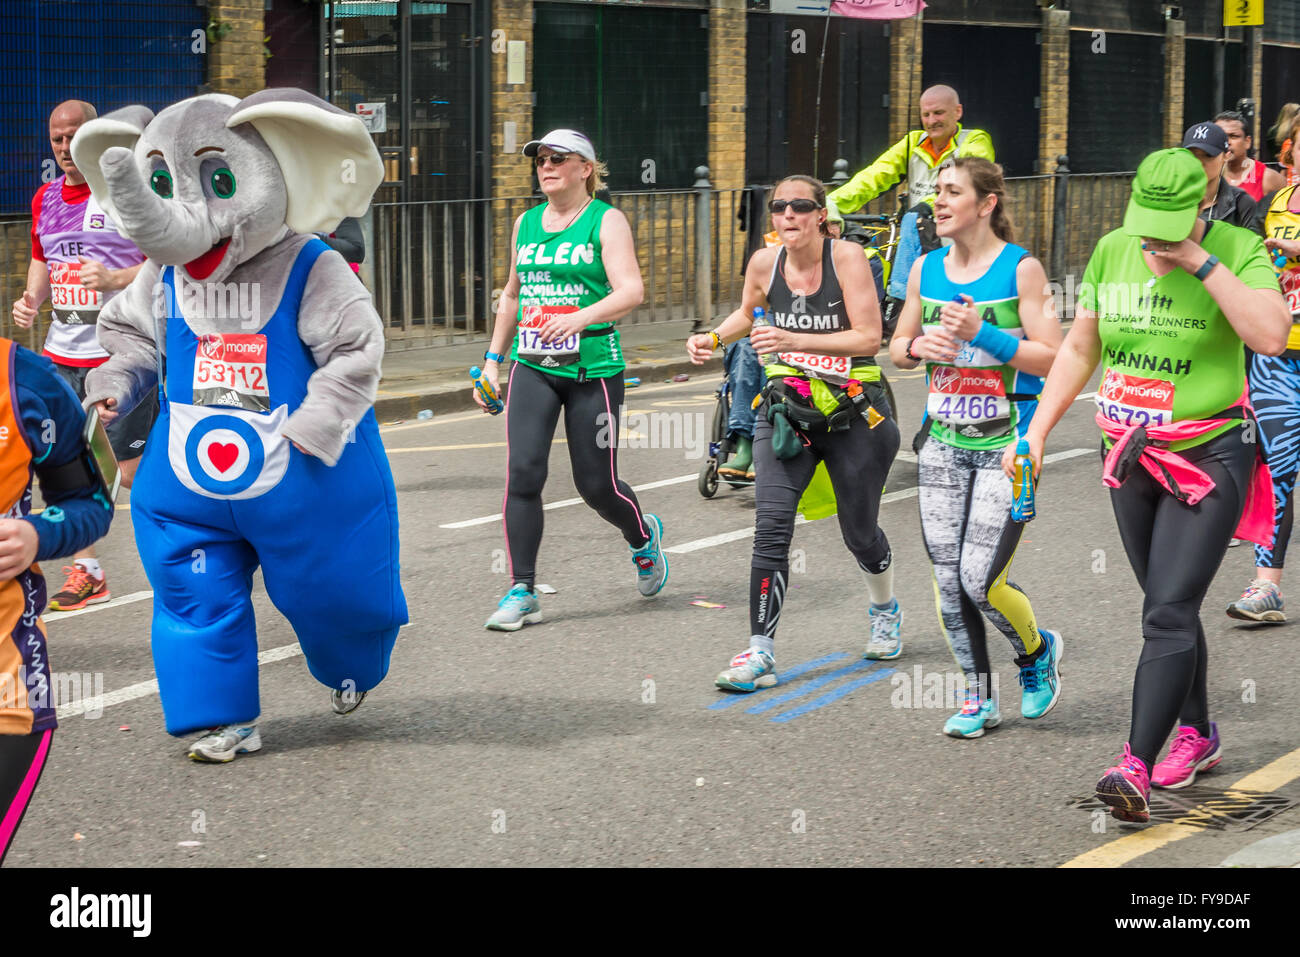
(219, 491)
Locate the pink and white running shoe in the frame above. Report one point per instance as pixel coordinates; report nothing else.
(1126, 789)
(1188, 754)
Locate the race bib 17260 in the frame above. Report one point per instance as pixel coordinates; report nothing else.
(963, 396)
(1130, 400)
(560, 352)
(230, 370)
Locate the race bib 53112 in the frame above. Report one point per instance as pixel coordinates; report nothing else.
(230, 370)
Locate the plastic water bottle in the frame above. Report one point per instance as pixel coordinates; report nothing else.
(760, 319)
(1022, 484)
(485, 391)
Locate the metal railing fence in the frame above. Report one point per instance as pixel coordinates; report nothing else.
(436, 269)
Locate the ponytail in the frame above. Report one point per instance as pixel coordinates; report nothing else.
(987, 180)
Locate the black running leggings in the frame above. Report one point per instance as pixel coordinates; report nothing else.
(533, 403)
(1175, 551)
(22, 759)
(857, 461)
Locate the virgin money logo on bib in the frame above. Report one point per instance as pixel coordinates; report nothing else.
(945, 379)
(212, 346)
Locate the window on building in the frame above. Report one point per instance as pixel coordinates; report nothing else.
(634, 80)
(1116, 115)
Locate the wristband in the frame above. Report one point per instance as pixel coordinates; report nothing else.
(1205, 270)
(496, 357)
(717, 340)
(908, 351)
(1001, 345)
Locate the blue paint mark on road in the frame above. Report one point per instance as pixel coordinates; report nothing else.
(834, 695)
(769, 703)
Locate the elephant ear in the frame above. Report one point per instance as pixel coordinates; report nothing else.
(119, 128)
(330, 164)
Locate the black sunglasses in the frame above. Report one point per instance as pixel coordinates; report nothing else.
(556, 159)
(777, 206)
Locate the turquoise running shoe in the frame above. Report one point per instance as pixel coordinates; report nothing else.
(974, 718)
(520, 607)
(750, 670)
(651, 563)
(1041, 678)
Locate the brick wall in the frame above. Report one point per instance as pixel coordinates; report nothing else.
(727, 93)
(1053, 125)
(1175, 73)
(511, 174)
(904, 75)
(237, 61)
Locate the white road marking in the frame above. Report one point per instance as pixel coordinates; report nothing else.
(724, 537)
(146, 688)
(111, 603)
(565, 503)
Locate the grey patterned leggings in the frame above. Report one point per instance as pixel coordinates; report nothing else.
(966, 521)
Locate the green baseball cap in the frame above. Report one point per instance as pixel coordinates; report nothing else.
(1167, 194)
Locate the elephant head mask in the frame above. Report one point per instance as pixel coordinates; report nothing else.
(211, 181)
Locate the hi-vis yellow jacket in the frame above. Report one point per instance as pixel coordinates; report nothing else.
(909, 158)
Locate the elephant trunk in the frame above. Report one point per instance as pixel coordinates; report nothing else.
(168, 231)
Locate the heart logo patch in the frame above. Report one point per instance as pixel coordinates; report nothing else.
(223, 455)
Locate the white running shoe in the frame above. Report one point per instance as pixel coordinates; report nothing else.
(748, 671)
(886, 642)
(220, 745)
(345, 702)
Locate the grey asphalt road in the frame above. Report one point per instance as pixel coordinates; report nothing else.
(597, 737)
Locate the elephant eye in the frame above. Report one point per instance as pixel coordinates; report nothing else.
(161, 183)
(223, 183)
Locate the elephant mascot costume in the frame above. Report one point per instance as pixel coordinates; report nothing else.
(266, 450)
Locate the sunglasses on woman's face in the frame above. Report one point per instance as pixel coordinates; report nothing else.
(555, 159)
(777, 206)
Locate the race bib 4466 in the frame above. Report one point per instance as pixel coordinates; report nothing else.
(967, 396)
(1130, 400)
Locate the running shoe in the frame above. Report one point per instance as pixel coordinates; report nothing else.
(750, 670)
(1262, 601)
(81, 589)
(345, 702)
(886, 633)
(651, 563)
(1126, 789)
(520, 607)
(1233, 543)
(220, 745)
(1188, 754)
(1041, 677)
(973, 719)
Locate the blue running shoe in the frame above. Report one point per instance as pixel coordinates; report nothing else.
(748, 671)
(651, 563)
(973, 719)
(520, 607)
(1041, 678)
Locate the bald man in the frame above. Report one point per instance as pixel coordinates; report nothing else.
(79, 262)
(918, 155)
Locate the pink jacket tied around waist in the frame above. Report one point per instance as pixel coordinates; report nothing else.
(1184, 480)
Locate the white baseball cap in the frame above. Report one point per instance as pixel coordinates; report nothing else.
(563, 141)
